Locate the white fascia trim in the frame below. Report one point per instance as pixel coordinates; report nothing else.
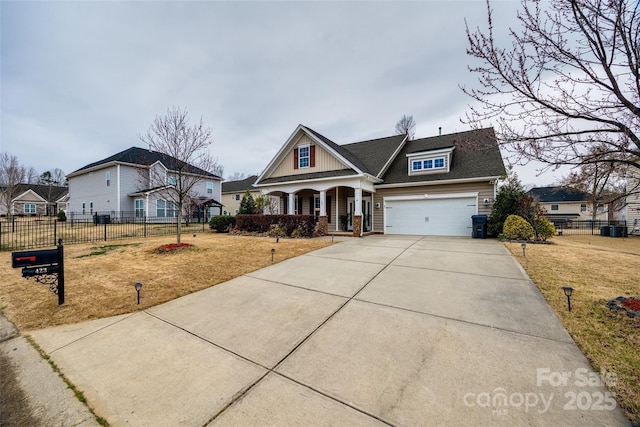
(393, 157)
(318, 141)
(366, 176)
(441, 182)
(432, 196)
(17, 198)
(432, 152)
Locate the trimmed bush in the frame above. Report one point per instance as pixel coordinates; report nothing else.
(304, 224)
(62, 217)
(544, 229)
(517, 228)
(222, 223)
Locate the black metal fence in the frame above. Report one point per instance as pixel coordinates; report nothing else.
(594, 228)
(17, 233)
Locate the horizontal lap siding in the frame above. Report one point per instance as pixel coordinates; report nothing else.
(485, 191)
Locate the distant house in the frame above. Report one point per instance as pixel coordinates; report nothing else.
(391, 185)
(632, 207)
(565, 204)
(127, 184)
(233, 191)
(33, 199)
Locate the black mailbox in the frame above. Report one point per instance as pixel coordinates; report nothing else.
(46, 266)
(34, 258)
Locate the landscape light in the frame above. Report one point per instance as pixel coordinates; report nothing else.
(524, 247)
(568, 290)
(273, 251)
(138, 286)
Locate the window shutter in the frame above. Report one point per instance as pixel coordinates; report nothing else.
(312, 156)
(295, 158)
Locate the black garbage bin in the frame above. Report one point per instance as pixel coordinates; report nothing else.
(479, 223)
(605, 231)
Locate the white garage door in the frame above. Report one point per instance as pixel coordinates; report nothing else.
(434, 217)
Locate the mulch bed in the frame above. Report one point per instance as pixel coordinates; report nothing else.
(173, 247)
(630, 305)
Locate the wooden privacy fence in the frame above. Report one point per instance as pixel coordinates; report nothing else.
(17, 233)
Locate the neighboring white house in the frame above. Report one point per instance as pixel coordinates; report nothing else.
(633, 201)
(566, 204)
(126, 185)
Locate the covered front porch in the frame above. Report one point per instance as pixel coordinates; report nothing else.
(345, 208)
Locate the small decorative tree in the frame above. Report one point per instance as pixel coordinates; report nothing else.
(248, 205)
(517, 228)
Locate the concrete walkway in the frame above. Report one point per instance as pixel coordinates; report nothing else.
(383, 330)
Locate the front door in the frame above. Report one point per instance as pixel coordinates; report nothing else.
(366, 213)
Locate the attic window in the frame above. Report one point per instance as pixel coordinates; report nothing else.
(427, 164)
(304, 155)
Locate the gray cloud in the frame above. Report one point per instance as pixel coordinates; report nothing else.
(80, 80)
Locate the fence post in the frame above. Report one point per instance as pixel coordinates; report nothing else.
(55, 232)
(105, 230)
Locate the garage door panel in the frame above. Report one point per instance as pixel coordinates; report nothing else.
(437, 217)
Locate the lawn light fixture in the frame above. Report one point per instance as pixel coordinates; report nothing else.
(524, 248)
(568, 290)
(138, 286)
(277, 239)
(273, 251)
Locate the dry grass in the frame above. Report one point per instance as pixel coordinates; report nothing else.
(99, 278)
(599, 269)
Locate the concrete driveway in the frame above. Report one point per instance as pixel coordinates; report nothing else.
(383, 330)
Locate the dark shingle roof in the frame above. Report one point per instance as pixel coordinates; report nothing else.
(43, 191)
(375, 153)
(476, 154)
(557, 194)
(145, 157)
(239, 186)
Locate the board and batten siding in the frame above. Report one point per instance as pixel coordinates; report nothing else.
(484, 190)
(324, 161)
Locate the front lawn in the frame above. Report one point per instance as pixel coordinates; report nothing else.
(99, 277)
(599, 269)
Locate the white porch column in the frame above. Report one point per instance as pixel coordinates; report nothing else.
(358, 202)
(323, 203)
(292, 204)
(337, 204)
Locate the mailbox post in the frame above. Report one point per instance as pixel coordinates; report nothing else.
(46, 265)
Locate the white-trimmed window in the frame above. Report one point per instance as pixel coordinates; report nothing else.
(84, 206)
(554, 207)
(237, 197)
(29, 208)
(166, 209)
(304, 156)
(583, 207)
(427, 164)
(91, 208)
(171, 180)
(209, 187)
(108, 178)
(139, 203)
(160, 208)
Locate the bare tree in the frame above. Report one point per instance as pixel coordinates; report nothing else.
(12, 173)
(406, 126)
(237, 176)
(185, 148)
(59, 177)
(568, 82)
(603, 183)
(31, 175)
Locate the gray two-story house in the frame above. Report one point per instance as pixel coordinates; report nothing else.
(138, 183)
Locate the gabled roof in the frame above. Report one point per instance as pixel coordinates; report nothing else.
(557, 194)
(239, 186)
(142, 157)
(42, 191)
(476, 155)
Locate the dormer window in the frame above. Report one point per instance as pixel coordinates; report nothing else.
(304, 155)
(435, 161)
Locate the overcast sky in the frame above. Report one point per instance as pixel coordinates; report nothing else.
(81, 80)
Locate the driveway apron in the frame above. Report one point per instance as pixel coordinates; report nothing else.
(381, 330)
